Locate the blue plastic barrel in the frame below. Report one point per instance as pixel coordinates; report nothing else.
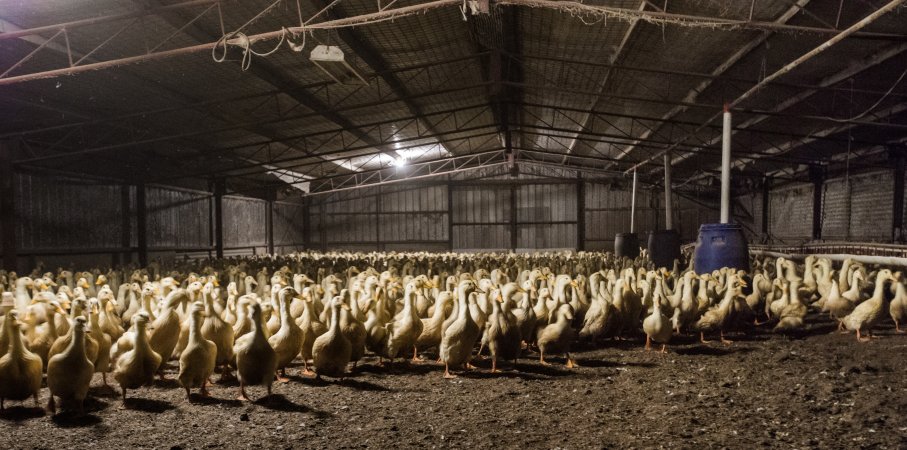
(664, 248)
(626, 244)
(720, 245)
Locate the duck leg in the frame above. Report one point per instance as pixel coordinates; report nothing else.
(37, 405)
(494, 364)
(104, 377)
(242, 393)
(52, 405)
(725, 341)
(648, 343)
(542, 358)
(282, 376)
(204, 390)
(188, 395)
(416, 357)
(897, 327)
(702, 338)
(305, 369)
(447, 373)
(861, 338)
(664, 348)
(570, 362)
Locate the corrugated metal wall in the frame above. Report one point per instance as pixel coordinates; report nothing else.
(62, 221)
(177, 218)
(245, 222)
(415, 217)
(59, 214)
(289, 226)
(866, 217)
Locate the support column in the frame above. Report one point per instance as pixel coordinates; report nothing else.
(580, 213)
(897, 155)
(220, 187)
(378, 244)
(513, 228)
(669, 201)
(450, 239)
(125, 257)
(269, 219)
(8, 206)
(306, 224)
(766, 214)
(141, 224)
(817, 177)
(633, 205)
(726, 167)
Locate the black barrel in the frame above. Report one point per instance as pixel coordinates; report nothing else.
(664, 248)
(626, 244)
(720, 245)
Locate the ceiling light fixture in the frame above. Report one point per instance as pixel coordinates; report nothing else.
(331, 60)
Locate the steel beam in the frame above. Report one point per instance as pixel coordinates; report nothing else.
(897, 154)
(848, 72)
(817, 177)
(600, 87)
(693, 94)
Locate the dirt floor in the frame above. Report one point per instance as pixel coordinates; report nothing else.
(819, 390)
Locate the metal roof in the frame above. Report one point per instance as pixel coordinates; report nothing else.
(130, 89)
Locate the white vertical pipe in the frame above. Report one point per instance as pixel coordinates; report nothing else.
(726, 168)
(633, 206)
(669, 205)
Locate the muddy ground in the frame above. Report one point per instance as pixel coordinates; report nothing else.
(818, 390)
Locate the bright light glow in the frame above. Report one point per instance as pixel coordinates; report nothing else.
(400, 162)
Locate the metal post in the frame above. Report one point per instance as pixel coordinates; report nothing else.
(817, 178)
(8, 206)
(513, 219)
(669, 203)
(141, 224)
(125, 225)
(766, 196)
(450, 239)
(220, 186)
(580, 213)
(726, 167)
(378, 244)
(897, 222)
(269, 220)
(306, 224)
(633, 206)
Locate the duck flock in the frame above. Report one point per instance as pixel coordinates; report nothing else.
(250, 318)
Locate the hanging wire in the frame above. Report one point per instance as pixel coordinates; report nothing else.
(874, 105)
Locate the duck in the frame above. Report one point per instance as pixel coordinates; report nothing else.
(405, 330)
(867, 314)
(69, 373)
(287, 341)
(216, 330)
(432, 326)
(502, 332)
(20, 369)
(717, 317)
(137, 367)
(657, 325)
(898, 306)
(91, 345)
(311, 328)
(353, 328)
(166, 328)
(332, 350)
(556, 337)
(101, 362)
(791, 315)
(45, 335)
(458, 338)
(198, 359)
(256, 361)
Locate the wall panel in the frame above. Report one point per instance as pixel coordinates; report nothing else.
(245, 222)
